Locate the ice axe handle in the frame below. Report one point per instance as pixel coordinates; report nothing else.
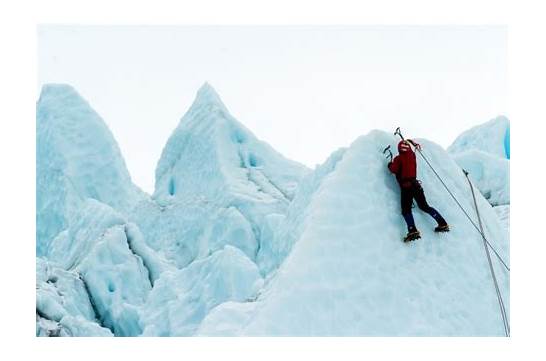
(388, 148)
(398, 132)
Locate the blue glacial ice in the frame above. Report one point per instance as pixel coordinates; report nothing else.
(181, 299)
(484, 151)
(238, 240)
(348, 273)
(63, 306)
(491, 137)
(76, 158)
(216, 184)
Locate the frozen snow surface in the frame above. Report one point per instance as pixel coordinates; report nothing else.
(504, 215)
(491, 174)
(212, 155)
(484, 151)
(349, 274)
(492, 137)
(76, 158)
(180, 300)
(238, 240)
(216, 185)
(111, 258)
(63, 306)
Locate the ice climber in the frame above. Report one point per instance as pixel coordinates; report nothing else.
(404, 166)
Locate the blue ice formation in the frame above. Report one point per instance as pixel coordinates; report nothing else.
(238, 240)
(76, 158)
(484, 151)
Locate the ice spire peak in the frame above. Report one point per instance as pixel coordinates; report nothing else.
(206, 95)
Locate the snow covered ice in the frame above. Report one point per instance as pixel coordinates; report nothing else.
(63, 306)
(101, 249)
(348, 273)
(180, 300)
(76, 157)
(484, 151)
(215, 185)
(491, 137)
(237, 240)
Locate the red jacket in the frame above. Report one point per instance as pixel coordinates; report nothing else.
(404, 166)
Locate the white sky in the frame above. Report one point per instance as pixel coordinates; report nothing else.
(305, 90)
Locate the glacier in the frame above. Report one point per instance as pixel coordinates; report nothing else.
(349, 275)
(99, 247)
(492, 137)
(76, 158)
(216, 182)
(180, 300)
(63, 306)
(491, 174)
(83, 195)
(484, 150)
(237, 240)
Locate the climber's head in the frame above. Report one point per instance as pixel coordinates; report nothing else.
(403, 146)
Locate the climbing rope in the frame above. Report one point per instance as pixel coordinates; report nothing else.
(399, 133)
(505, 322)
(464, 211)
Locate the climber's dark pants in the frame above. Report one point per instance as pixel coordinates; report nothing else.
(415, 191)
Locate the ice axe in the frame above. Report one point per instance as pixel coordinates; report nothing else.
(398, 132)
(416, 145)
(388, 149)
(389, 156)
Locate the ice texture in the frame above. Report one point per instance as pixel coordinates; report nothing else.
(227, 319)
(484, 151)
(185, 231)
(504, 215)
(76, 158)
(349, 274)
(63, 307)
(491, 137)
(115, 264)
(181, 299)
(238, 240)
(211, 154)
(279, 240)
(69, 326)
(216, 185)
(491, 174)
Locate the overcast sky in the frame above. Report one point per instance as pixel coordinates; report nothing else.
(305, 90)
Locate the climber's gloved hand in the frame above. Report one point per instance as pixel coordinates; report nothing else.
(415, 144)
